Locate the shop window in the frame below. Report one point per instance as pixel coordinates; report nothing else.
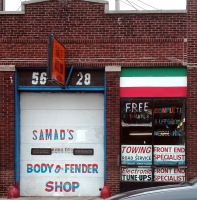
(153, 138)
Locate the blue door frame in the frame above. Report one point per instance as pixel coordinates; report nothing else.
(66, 89)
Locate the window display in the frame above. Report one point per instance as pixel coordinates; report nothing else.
(153, 135)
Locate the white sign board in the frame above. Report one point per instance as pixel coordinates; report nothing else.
(136, 174)
(169, 154)
(166, 174)
(136, 154)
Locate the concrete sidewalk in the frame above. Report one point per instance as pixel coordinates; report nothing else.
(56, 198)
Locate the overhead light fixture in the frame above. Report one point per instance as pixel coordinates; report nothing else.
(137, 134)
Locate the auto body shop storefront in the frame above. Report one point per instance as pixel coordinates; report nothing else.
(153, 126)
(60, 133)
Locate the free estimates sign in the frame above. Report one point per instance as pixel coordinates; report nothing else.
(73, 130)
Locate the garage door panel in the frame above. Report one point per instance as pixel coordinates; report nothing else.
(62, 117)
(61, 122)
(64, 187)
(62, 152)
(59, 101)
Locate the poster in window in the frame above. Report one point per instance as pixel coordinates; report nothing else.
(136, 154)
(167, 174)
(169, 154)
(136, 174)
(136, 113)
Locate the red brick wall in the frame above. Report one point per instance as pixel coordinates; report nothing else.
(92, 37)
(113, 131)
(7, 131)
(192, 85)
(191, 123)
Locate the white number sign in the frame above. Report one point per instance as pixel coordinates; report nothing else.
(39, 78)
(84, 79)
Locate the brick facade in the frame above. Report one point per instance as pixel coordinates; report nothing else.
(7, 139)
(192, 96)
(92, 37)
(95, 39)
(113, 131)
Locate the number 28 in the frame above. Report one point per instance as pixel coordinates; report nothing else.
(86, 79)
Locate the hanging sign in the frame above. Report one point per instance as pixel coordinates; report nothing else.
(56, 61)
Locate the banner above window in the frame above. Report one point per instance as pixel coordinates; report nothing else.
(153, 82)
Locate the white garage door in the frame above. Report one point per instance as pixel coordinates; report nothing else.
(61, 122)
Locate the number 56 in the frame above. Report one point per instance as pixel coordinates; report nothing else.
(39, 78)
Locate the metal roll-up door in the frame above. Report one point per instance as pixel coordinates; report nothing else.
(61, 144)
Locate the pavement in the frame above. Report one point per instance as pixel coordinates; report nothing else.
(55, 198)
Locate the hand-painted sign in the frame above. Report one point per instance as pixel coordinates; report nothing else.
(86, 77)
(136, 113)
(54, 186)
(166, 174)
(163, 154)
(169, 154)
(136, 174)
(67, 168)
(53, 134)
(136, 154)
(63, 126)
(80, 78)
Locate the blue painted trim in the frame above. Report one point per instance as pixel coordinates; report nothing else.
(105, 134)
(69, 75)
(18, 89)
(17, 131)
(59, 89)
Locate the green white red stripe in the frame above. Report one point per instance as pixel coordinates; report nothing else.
(153, 82)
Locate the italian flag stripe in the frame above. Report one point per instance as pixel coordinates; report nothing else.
(153, 72)
(153, 92)
(153, 82)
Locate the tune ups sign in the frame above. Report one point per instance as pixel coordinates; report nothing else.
(56, 61)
